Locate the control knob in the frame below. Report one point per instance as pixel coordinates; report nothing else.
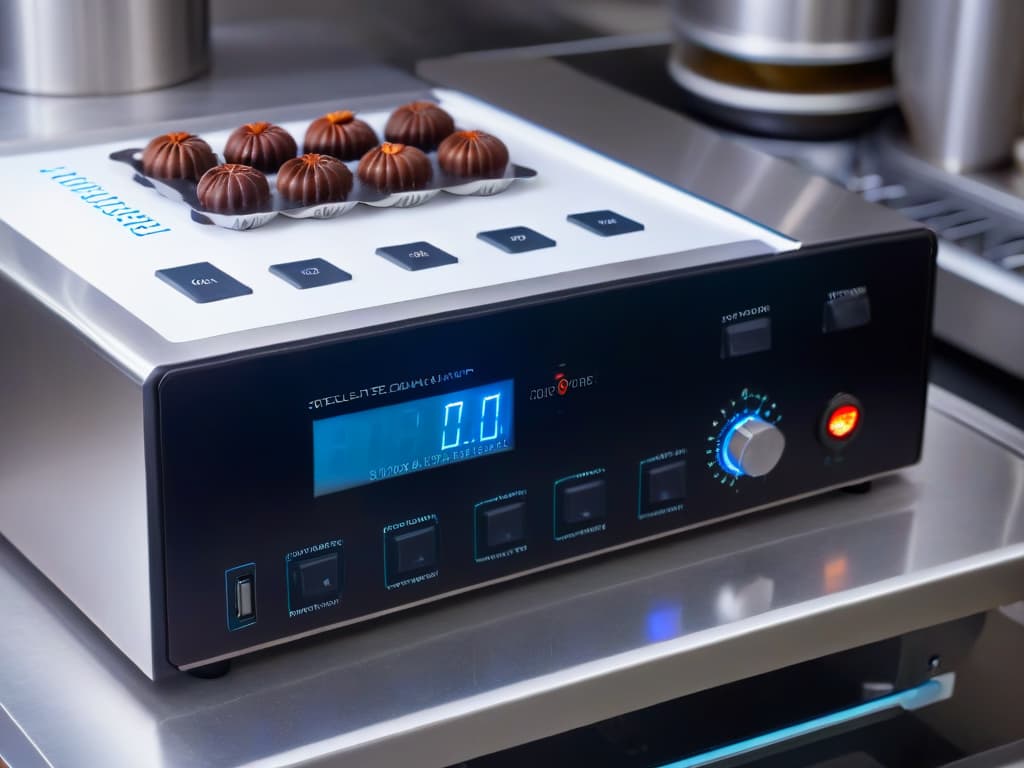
(752, 447)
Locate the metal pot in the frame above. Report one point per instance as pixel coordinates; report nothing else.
(815, 32)
(960, 74)
(92, 47)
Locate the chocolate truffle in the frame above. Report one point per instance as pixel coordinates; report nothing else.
(421, 124)
(313, 179)
(262, 145)
(340, 135)
(395, 168)
(473, 154)
(177, 155)
(234, 188)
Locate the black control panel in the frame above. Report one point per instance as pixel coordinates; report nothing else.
(304, 488)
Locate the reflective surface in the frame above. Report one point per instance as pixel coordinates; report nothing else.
(87, 47)
(518, 663)
(960, 72)
(673, 148)
(789, 31)
(975, 271)
(254, 66)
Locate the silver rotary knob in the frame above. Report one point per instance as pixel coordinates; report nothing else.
(753, 447)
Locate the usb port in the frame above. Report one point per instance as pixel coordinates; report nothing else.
(243, 598)
(240, 586)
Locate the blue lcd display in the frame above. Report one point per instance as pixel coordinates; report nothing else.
(368, 446)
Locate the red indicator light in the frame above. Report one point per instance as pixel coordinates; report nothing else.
(842, 422)
(563, 386)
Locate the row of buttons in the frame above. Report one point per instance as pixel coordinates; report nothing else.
(202, 282)
(750, 336)
(500, 529)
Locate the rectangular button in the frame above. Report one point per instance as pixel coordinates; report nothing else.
(202, 282)
(502, 527)
(416, 256)
(516, 239)
(318, 577)
(412, 552)
(605, 223)
(845, 312)
(582, 503)
(666, 482)
(311, 273)
(746, 338)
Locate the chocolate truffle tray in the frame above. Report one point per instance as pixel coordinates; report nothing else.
(71, 204)
(400, 159)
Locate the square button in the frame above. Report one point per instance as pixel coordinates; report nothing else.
(501, 527)
(416, 256)
(311, 273)
(665, 483)
(412, 552)
(516, 239)
(581, 503)
(202, 282)
(846, 312)
(605, 223)
(314, 580)
(746, 338)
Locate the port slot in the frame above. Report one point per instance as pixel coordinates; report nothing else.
(240, 589)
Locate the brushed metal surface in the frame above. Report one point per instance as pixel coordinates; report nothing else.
(789, 31)
(89, 47)
(960, 74)
(980, 308)
(493, 670)
(16, 751)
(667, 146)
(72, 470)
(979, 304)
(257, 67)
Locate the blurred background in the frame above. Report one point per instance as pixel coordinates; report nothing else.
(404, 31)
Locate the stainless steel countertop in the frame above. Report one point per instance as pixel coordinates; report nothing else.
(509, 665)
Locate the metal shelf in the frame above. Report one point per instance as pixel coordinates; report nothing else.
(510, 665)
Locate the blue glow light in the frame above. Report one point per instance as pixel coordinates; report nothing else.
(664, 621)
(723, 450)
(381, 443)
(910, 698)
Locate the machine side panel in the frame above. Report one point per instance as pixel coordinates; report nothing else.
(72, 471)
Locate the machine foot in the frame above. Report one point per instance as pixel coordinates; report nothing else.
(858, 488)
(212, 671)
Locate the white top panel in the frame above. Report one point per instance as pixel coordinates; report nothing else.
(118, 248)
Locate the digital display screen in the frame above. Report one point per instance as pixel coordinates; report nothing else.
(368, 446)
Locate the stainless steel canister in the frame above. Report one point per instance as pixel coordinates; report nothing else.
(92, 47)
(960, 77)
(814, 32)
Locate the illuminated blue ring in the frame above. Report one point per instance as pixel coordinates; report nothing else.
(723, 447)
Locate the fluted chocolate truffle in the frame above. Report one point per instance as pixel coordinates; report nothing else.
(340, 135)
(177, 155)
(234, 188)
(421, 124)
(395, 168)
(264, 146)
(313, 179)
(473, 154)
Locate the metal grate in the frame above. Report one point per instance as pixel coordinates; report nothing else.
(999, 239)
